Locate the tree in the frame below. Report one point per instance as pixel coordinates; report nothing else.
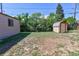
(50, 20)
(23, 19)
(59, 12)
(34, 21)
(71, 22)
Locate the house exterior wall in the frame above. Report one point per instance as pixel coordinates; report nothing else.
(5, 30)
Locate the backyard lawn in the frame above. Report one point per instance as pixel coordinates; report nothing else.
(41, 44)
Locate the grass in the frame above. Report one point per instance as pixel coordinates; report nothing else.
(43, 34)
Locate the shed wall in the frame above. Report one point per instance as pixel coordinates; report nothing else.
(77, 27)
(56, 29)
(63, 27)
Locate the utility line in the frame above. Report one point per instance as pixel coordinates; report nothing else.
(75, 8)
(1, 7)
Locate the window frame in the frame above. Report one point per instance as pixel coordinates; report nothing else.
(10, 22)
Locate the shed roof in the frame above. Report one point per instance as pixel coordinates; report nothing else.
(57, 23)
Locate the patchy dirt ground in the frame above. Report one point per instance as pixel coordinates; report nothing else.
(46, 44)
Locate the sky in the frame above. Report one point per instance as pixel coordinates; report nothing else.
(14, 9)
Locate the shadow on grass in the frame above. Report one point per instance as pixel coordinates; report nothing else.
(7, 43)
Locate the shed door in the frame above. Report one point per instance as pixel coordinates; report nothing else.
(63, 27)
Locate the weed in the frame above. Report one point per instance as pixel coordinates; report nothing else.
(60, 46)
(74, 53)
(35, 53)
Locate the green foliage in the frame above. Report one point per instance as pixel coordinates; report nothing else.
(71, 22)
(50, 20)
(36, 22)
(23, 19)
(59, 12)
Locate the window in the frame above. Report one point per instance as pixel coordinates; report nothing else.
(55, 26)
(10, 22)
